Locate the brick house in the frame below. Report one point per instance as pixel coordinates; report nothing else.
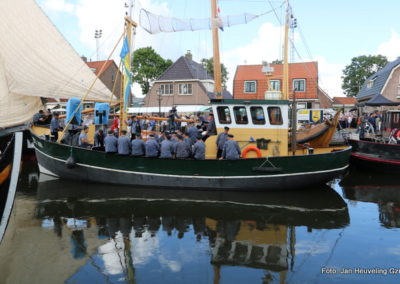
(251, 83)
(108, 75)
(185, 82)
(344, 102)
(385, 82)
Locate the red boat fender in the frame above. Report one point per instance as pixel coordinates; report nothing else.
(251, 148)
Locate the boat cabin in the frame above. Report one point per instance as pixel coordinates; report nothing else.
(260, 123)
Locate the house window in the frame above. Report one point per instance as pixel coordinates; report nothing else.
(299, 85)
(250, 86)
(275, 116)
(240, 115)
(257, 115)
(185, 89)
(224, 115)
(275, 85)
(167, 89)
(370, 84)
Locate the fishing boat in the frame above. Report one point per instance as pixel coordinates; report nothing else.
(260, 126)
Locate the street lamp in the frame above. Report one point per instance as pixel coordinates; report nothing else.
(97, 36)
(159, 106)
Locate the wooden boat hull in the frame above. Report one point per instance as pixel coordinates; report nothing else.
(375, 156)
(296, 171)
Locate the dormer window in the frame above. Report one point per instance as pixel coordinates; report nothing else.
(299, 85)
(250, 86)
(370, 84)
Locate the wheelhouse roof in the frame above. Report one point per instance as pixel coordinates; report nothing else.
(249, 102)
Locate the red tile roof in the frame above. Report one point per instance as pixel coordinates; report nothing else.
(97, 65)
(344, 101)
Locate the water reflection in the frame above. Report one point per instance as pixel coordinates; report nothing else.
(92, 233)
(382, 189)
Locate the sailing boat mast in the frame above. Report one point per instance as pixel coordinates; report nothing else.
(285, 87)
(216, 58)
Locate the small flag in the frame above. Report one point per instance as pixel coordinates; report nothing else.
(127, 78)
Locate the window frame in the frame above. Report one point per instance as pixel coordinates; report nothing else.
(298, 80)
(272, 121)
(181, 85)
(256, 121)
(255, 86)
(163, 89)
(238, 122)
(279, 84)
(218, 114)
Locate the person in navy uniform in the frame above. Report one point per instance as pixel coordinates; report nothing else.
(199, 149)
(138, 147)
(99, 138)
(55, 126)
(193, 132)
(152, 147)
(186, 138)
(167, 148)
(124, 144)
(211, 128)
(83, 138)
(221, 139)
(182, 149)
(231, 149)
(111, 143)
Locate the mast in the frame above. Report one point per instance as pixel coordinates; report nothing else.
(285, 87)
(216, 58)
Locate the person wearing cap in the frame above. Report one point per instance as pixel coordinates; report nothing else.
(182, 148)
(124, 144)
(221, 139)
(83, 139)
(152, 148)
(55, 126)
(171, 119)
(138, 147)
(231, 149)
(193, 132)
(111, 143)
(199, 149)
(211, 128)
(186, 138)
(167, 148)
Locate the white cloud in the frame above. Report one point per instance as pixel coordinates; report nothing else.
(312, 248)
(58, 6)
(330, 77)
(390, 48)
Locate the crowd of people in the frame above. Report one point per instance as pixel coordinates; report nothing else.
(181, 138)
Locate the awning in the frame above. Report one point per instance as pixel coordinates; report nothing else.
(379, 100)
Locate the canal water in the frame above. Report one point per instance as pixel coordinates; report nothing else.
(71, 232)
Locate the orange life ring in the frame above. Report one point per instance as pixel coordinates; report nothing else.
(251, 148)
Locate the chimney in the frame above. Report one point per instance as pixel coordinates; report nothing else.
(84, 58)
(189, 55)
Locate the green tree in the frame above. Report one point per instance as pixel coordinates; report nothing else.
(209, 65)
(147, 66)
(360, 68)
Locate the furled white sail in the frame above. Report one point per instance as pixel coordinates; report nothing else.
(154, 24)
(37, 62)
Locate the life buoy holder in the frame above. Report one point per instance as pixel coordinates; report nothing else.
(251, 148)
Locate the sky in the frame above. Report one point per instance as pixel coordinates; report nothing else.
(330, 32)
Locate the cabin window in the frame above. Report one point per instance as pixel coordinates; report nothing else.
(257, 115)
(299, 85)
(275, 116)
(224, 115)
(275, 85)
(240, 115)
(167, 89)
(185, 89)
(250, 86)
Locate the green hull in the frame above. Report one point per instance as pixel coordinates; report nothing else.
(276, 173)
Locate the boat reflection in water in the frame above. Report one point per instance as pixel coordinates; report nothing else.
(382, 189)
(254, 230)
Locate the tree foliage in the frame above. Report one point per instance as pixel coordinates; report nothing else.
(209, 65)
(360, 68)
(147, 66)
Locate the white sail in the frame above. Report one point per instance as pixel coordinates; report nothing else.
(37, 61)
